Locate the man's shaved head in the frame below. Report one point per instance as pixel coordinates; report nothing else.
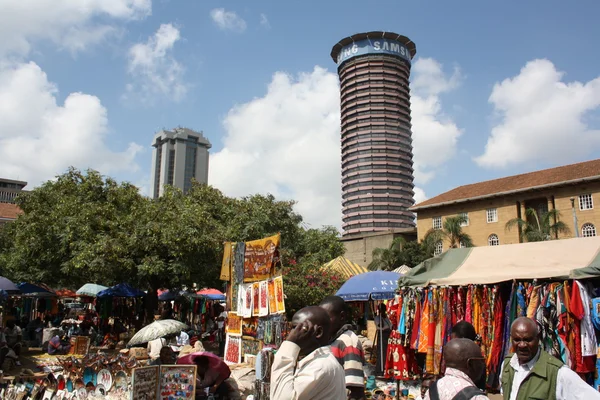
(317, 317)
(465, 355)
(337, 309)
(525, 336)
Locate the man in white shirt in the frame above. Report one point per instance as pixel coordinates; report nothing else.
(533, 373)
(318, 376)
(154, 347)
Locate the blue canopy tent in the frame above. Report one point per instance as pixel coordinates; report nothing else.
(374, 285)
(120, 290)
(31, 290)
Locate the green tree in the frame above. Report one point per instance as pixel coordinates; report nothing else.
(412, 254)
(538, 228)
(388, 258)
(451, 232)
(72, 230)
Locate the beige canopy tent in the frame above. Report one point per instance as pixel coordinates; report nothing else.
(560, 259)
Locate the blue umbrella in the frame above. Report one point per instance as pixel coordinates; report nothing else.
(8, 286)
(31, 290)
(374, 285)
(121, 290)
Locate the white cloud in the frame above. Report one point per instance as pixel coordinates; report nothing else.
(542, 118)
(40, 138)
(435, 135)
(419, 195)
(155, 71)
(264, 21)
(228, 20)
(286, 143)
(72, 25)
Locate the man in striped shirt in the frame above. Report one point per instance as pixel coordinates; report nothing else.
(345, 346)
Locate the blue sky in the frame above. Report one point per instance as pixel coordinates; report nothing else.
(89, 87)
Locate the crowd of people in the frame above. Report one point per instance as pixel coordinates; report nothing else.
(322, 358)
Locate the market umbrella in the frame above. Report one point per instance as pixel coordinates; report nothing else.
(66, 293)
(120, 290)
(8, 286)
(167, 295)
(212, 294)
(31, 290)
(90, 289)
(156, 330)
(374, 285)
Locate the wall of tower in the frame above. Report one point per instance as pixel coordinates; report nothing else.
(377, 166)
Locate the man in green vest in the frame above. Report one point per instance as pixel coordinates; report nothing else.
(532, 373)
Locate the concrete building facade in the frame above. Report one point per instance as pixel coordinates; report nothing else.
(573, 190)
(377, 166)
(178, 157)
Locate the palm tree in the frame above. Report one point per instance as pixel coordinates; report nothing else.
(538, 228)
(451, 231)
(387, 259)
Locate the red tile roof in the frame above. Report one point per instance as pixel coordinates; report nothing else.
(9, 211)
(587, 170)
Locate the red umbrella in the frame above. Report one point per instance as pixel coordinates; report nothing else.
(66, 293)
(210, 291)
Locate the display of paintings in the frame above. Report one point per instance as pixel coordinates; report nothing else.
(177, 382)
(279, 294)
(233, 350)
(234, 295)
(260, 258)
(263, 298)
(256, 299)
(272, 299)
(234, 325)
(245, 298)
(252, 347)
(144, 382)
(249, 327)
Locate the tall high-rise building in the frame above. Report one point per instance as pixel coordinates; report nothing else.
(377, 165)
(178, 156)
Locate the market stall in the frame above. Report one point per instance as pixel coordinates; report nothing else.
(552, 282)
(256, 323)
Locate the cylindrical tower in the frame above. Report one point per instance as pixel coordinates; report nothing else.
(377, 166)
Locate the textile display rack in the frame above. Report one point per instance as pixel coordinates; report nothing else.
(256, 320)
(555, 283)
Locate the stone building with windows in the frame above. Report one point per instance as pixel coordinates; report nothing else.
(573, 190)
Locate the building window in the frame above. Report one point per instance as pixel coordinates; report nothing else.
(588, 230)
(492, 215)
(461, 244)
(466, 217)
(493, 240)
(586, 202)
(437, 222)
(439, 248)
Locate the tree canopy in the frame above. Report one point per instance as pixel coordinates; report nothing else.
(538, 227)
(84, 227)
(451, 231)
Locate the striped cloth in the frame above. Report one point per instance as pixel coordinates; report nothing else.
(348, 350)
